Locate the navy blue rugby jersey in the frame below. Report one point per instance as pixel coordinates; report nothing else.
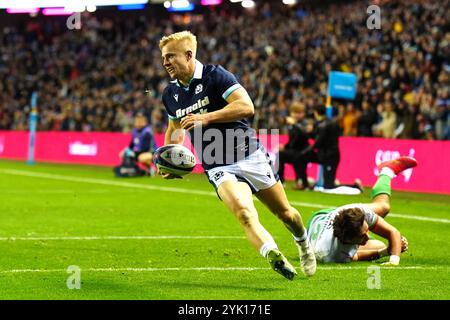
(216, 144)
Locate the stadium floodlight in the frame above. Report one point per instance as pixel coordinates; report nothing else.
(20, 4)
(210, 2)
(131, 7)
(179, 5)
(289, 2)
(248, 4)
(56, 12)
(91, 8)
(23, 10)
(114, 2)
(75, 7)
(235, 1)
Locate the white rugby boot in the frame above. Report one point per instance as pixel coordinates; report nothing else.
(307, 258)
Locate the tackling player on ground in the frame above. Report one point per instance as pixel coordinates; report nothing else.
(209, 99)
(342, 234)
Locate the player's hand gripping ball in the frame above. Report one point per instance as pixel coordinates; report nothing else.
(174, 159)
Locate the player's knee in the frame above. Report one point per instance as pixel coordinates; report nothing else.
(385, 207)
(246, 217)
(145, 158)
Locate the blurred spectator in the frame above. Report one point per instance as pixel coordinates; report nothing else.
(298, 140)
(325, 150)
(95, 78)
(349, 120)
(366, 118)
(387, 125)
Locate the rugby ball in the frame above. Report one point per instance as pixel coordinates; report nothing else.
(175, 159)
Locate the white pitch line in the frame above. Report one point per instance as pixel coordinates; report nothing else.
(134, 269)
(215, 269)
(411, 217)
(45, 238)
(182, 190)
(50, 191)
(103, 182)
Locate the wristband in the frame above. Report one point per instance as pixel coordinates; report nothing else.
(394, 259)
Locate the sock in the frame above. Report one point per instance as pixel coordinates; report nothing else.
(383, 184)
(266, 247)
(302, 238)
(387, 172)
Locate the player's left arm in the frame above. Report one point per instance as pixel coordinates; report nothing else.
(366, 255)
(390, 233)
(239, 106)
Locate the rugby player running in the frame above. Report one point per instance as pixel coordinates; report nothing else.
(207, 99)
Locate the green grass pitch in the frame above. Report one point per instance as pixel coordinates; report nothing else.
(147, 238)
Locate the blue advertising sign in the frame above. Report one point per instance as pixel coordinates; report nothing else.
(342, 85)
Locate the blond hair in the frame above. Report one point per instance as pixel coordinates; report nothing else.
(186, 37)
(297, 107)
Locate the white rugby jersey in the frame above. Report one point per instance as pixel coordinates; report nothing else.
(327, 247)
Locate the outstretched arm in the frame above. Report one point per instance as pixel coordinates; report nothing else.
(390, 233)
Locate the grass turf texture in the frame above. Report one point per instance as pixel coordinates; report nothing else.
(38, 207)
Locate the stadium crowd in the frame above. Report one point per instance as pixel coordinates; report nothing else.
(98, 77)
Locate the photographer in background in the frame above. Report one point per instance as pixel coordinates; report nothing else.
(137, 157)
(325, 151)
(298, 140)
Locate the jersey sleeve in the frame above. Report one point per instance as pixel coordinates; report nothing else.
(226, 82)
(351, 253)
(346, 253)
(165, 96)
(371, 218)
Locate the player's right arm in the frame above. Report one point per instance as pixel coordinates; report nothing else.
(174, 135)
(390, 233)
(375, 249)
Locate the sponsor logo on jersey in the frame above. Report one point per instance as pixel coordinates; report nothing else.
(198, 105)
